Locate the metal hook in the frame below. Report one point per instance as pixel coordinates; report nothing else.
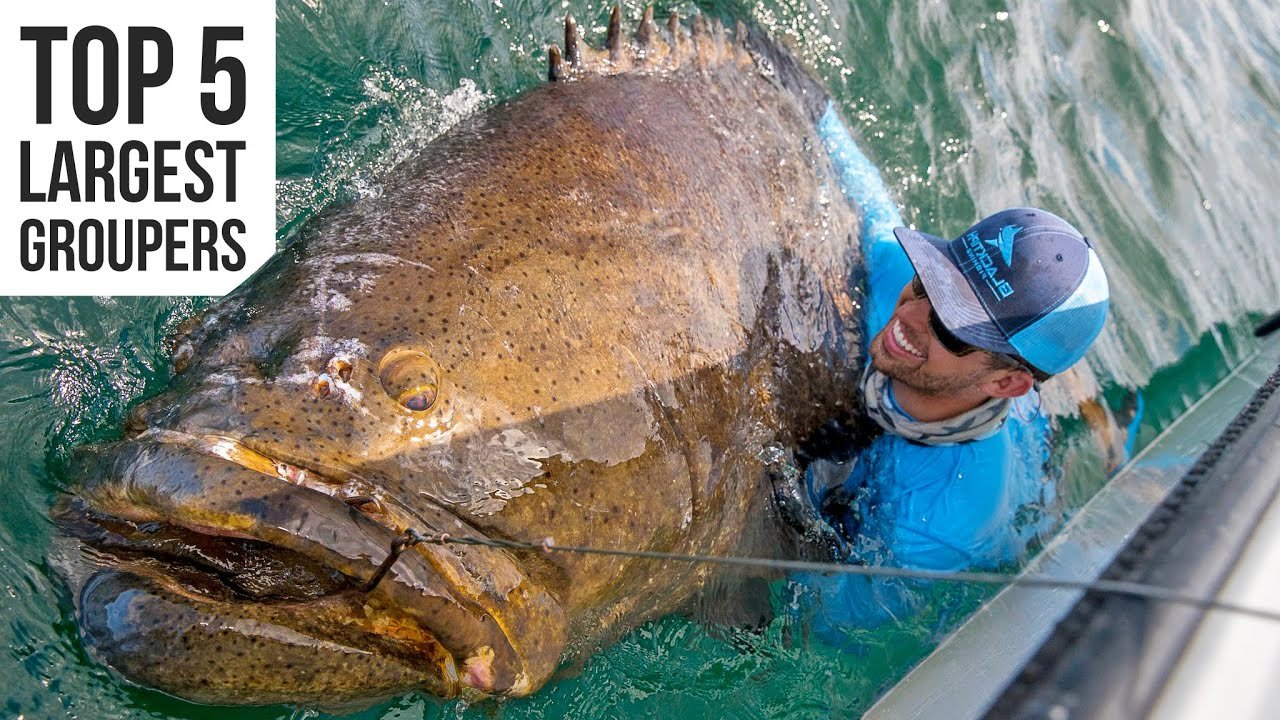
(406, 540)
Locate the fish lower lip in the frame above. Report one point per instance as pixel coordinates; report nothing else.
(154, 630)
(465, 600)
(160, 603)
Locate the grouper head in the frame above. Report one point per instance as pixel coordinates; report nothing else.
(557, 322)
(233, 541)
(346, 395)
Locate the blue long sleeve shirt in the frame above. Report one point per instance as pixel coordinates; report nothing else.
(972, 505)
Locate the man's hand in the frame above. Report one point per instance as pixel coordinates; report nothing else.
(792, 499)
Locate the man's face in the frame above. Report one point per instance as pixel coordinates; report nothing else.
(907, 351)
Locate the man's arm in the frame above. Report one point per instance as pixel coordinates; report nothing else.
(888, 269)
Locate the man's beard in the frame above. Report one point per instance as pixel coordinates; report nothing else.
(914, 376)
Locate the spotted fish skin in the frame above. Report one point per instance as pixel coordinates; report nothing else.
(582, 314)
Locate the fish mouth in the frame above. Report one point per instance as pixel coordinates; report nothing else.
(219, 575)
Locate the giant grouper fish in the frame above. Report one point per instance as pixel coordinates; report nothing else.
(581, 314)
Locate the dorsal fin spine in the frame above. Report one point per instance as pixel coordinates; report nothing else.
(613, 41)
(572, 52)
(556, 70)
(646, 31)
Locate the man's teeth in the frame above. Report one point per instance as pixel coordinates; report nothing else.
(901, 338)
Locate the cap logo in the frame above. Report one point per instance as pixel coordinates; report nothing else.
(1004, 241)
(981, 261)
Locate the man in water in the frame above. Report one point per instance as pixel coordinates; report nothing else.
(961, 333)
(956, 480)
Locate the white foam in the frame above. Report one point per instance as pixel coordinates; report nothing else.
(406, 116)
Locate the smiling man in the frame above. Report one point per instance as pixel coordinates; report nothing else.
(1016, 298)
(957, 479)
(955, 476)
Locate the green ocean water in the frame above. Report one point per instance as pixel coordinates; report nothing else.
(1154, 124)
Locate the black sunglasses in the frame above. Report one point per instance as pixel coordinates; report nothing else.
(960, 348)
(953, 344)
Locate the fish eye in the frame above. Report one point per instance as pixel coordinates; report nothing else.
(420, 401)
(410, 378)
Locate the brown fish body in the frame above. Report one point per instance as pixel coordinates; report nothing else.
(581, 315)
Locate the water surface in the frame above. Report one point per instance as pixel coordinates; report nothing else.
(1152, 124)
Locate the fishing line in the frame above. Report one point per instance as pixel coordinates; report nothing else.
(413, 537)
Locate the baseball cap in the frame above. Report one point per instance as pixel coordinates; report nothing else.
(1021, 282)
